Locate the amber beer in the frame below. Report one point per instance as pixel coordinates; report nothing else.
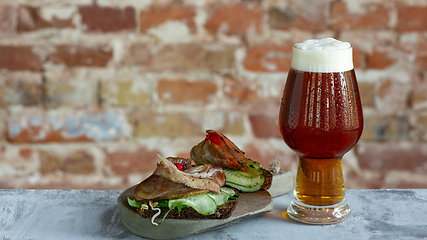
(320, 119)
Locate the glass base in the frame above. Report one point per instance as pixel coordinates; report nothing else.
(318, 214)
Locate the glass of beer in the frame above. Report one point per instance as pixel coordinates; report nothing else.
(320, 119)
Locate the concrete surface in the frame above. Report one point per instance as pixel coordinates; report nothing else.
(93, 214)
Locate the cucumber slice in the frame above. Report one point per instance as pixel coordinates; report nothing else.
(229, 191)
(254, 165)
(237, 178)
(252, 173)
(203, 204)
(223, 197)
(218, 198)
(245, 189)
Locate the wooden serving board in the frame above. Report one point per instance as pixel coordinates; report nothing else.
(249, 204)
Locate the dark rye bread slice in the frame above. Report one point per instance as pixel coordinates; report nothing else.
(268, 179)
(223, 211)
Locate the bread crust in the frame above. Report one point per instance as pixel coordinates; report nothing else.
(268, 179)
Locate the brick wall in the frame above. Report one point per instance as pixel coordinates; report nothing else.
(92, 90)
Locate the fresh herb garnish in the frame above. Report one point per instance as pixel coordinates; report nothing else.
(134, 203)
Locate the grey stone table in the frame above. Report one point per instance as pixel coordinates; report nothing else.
(93, 214)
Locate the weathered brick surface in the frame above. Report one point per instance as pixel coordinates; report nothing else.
(381, 59)
(25, 89)
(228, 19)
(75, 94)
(241, 91)
(159, 15)
(298, 16)
(421, 55)
(107, 19)
(149, 124)
(19, 58)
(418, 98)
(385, 128)
(269, 58)
(411, 18)
(78, 56)
(264, 121)
(90, 91)
(262, 152)
(32, 18)
(393, 156)
(64, 128)
(7, 18)
(372, 16)
(183, 58)
(128, 93)
(128, 161)
(182, 91)
(367, 93)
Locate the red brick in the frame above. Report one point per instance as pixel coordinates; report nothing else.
(158, 15)
(127, 161)
(182, 91)
(30, 19)
(269, 58)
(79, 162)
(183, 58)
(107, 19)
(374, 16)
(299, 16)
(170, 124)
(77, 56)
(236, 19)
(366, 91)
(19, 58)
(26, 152)
(240, 90)
(358, 58)
(380, 60)
(392, 156)
(265, 125)
(411, 18)
(7, 18)
(49, 162)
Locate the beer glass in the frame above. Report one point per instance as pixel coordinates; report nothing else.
(320, 119)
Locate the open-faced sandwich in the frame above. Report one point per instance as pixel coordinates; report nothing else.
(205, 186)
(179, 190)
(241, 173)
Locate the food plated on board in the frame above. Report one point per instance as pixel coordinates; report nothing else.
(212, 188)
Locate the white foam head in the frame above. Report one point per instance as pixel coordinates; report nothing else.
(322, 55)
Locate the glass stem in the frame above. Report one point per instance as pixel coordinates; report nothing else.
(320, 182)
